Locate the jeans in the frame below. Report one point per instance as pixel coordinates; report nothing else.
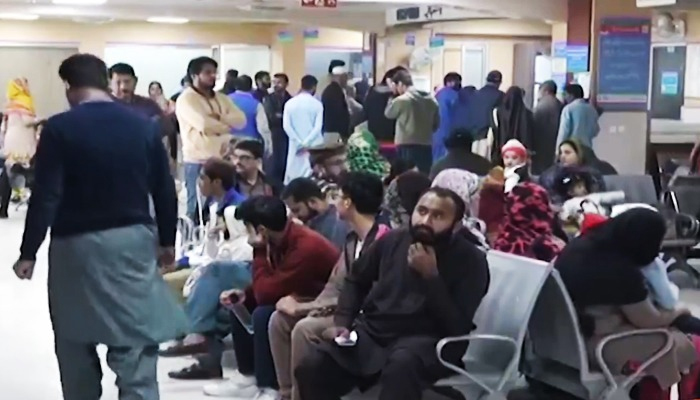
(203, 302)
(420, 154)
(253, 351)
(192, 171)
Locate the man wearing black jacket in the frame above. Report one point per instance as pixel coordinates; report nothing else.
(274, 108)
(336, 113)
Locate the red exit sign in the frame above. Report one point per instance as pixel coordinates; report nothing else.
(319, 3)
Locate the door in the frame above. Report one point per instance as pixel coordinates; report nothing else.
(667, 82)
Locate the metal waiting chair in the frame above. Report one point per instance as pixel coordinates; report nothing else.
(491, 361)
(557, 354)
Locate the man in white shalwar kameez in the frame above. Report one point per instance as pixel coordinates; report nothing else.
(303, 122)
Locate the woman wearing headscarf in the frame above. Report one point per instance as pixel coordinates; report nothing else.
(402, 195)
(528, 225)
(572, 154)
(466, 185)
(155, 93)
(492, 202)
(363, 154)
(511, 120)
(602, 271)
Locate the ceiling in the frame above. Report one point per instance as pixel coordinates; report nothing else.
(350, 14)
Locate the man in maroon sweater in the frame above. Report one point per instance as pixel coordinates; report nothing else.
(288, 259)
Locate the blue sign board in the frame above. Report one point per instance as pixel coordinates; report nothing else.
(437, 41)
(669, 83)
(311, 33)
(576, 59)
(623, 66)
(559, 49)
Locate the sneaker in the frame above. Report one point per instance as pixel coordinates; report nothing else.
(237, 386)
(267, 394)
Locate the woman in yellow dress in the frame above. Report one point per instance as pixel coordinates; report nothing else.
(20, 130)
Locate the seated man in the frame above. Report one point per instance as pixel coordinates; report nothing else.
(411, 288)
(231, 269)
(289, 259)
(307, 203)
(295, 326)
(247, 156)
(328, 162)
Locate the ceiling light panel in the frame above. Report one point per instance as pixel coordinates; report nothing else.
(168, 20)
(19, 16)
(79, 2)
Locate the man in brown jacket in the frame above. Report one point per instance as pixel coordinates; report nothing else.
(295, 325)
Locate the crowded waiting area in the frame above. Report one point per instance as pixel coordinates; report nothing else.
(350, 200)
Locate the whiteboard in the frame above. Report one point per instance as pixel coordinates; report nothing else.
(165, 64)
(692, 66)
(245, 58)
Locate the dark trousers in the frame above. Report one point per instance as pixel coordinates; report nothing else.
(253, 352)
(320, 377)
(5, 189)
(421, 155)
(280, 147)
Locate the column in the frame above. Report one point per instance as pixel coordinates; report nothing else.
(289, 54)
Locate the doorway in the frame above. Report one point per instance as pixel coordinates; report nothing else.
(667, 82)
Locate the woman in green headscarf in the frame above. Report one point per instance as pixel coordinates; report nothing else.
(363, 153)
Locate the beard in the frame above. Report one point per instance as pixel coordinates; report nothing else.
(425, 235)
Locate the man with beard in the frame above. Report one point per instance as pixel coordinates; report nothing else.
(263, 84)
(206, 118)
(410, 289)
(336, 112)
(247, 156)
(274, 108)
(307, 203)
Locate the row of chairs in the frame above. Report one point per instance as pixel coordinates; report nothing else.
(527, 327)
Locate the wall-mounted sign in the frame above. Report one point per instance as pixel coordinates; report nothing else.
(576, 59)
(669, 83)
(311, 33)
(410, 39)
(437, 41)
(285, 36)
(319, 3)
(623, 71)
(410, 15)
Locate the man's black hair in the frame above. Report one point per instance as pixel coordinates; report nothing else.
(575, 90)
(244, 83)
(335, 63)
(261, 75)
(308, 82)
(232, 74)
(282, 76)
(254, 147)
(365, 190)
(185, 80)
(122, 69)
(216, 168)
(451, 77)
(196, 65)
(302, 190)
(398, 166)
(460, 207)
(549, 87)
(402, 77)
(84, 71)
(460, 138)
(267, 211)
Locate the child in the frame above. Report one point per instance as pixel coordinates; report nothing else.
(515, 170)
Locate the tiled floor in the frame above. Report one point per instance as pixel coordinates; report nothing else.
(28, 369)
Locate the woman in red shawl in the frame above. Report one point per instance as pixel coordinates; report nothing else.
(528, 225)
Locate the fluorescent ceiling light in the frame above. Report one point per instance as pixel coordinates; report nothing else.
(79, 2)
(168, 20)
(19, 16)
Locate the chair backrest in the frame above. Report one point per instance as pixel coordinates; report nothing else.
(685, 194)
(505, 310)
(554, 331)
(637, 188)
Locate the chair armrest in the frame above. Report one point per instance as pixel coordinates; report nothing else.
(461, 371)
(640, 370)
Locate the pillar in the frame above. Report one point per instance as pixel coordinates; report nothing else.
(289, 54)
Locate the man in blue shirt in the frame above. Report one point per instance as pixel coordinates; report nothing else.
(96, 165)
(579, 119)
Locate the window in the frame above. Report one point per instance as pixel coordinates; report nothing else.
(473, 65)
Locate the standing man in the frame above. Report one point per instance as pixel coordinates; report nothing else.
(230, 82)
(579, 119)
(482, 103)
(417, 117)
(123, 82)
(262, 83)
(447, 99)
(206, 118)
(274, 107)
(336, 111)
(256, 127)
(547, 115)
(303, 122)
(92, 190)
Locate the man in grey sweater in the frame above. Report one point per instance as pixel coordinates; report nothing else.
(417, 118)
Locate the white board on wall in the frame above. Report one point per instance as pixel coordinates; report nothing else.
(246, 59)
(692, 66)
(165, 64)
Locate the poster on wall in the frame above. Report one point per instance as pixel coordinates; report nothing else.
(284, 36)
(311, 33)
(576, 59)
(410, 39)
(623, 66)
